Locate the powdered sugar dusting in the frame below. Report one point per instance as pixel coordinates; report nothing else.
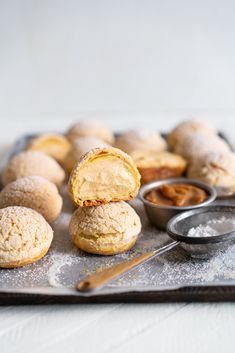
(213, 228)
(65, 265)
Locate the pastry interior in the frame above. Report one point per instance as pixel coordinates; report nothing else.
(157, 166)
(104, 175)
(57, 146)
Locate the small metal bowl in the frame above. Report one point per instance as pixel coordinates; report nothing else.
(201, 247)
(160, 215)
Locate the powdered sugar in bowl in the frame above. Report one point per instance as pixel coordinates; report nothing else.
(204, 231)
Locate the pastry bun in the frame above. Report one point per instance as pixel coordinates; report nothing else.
(34, 192)
(25, 236)
(30, 163)
(90, 128)
(55, 145)
(140, 140)
(106, 229)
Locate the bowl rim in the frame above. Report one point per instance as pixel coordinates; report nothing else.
(153, 184)
(200, 240)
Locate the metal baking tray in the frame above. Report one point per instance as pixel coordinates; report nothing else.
(171, 277)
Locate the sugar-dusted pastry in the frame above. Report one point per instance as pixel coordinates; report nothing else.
(214, 168)
(158, 165)
(33, 163)
(34, 192)
(195, 144)
(103, 175)
(140, 140)
(55, 145)
(90, 128)
(189, 127)
(106, 229)
(25, 236)
(79, 147)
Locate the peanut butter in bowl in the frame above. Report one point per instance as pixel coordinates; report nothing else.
(180, 195)
(164, 199)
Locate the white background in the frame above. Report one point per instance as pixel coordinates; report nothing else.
(135, 60)
(145, 63)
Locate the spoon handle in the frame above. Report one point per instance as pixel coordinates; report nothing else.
(100, 278)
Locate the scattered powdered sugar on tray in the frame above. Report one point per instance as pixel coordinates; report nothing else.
(213, 227)
(58, 262)
(65, 265)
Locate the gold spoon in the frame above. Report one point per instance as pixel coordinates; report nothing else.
(100, 278)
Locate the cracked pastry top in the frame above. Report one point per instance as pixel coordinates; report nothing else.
(103, 175)
(30, 163)
(81, 146)
(189, 127)
(214, 168)
(90, 128)
(140, 140)
(34, 192)
(25, 236)
(195, 144)
(106, 229)
(55, 145)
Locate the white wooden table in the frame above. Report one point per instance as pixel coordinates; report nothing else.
(112, 328)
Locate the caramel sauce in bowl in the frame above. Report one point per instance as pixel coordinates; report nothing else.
(163, 199)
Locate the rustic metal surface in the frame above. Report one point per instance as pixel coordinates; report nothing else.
(171, 277)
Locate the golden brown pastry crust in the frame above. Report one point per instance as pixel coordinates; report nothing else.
(107, 229)
(34, 192)
(215, 168)
(186, 127)
(81, 146)
(160, 165)
(25, 236)
(84, 245)
(55, 145)
(196, 144)
(151, 174)
(90, 128)
(29, 163)
(144, 140)
(91, 156)
(20, 263)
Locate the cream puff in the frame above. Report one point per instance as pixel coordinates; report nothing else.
(25, 236)
(158, 165)
(34, 192)
(103, 175)
(140, 140)
(214, 168)
(189, 127)
(55, 145)
(106, 229)
(90, 128)
(195, 144)
(30, 163)
(81, 146)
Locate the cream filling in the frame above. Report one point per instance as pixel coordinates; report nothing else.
(106, 177)
(158, 160)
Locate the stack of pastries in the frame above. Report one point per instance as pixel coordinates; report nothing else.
(100, 183)
(102, 178)
(104, 172)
